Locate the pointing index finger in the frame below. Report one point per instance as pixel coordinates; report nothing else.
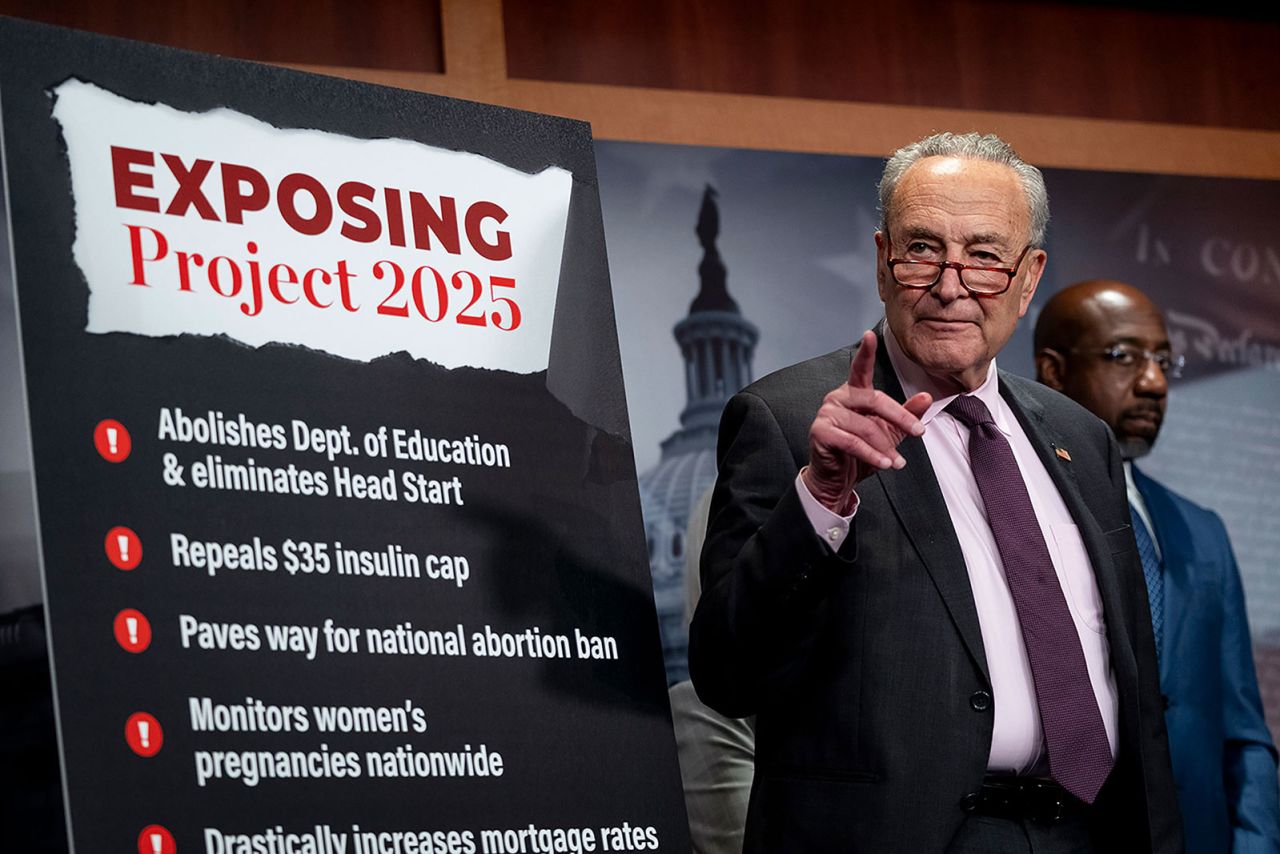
(863, 365)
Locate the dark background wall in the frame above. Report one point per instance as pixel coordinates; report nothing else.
(1193, 63)
(1214, 67)
(399, 34)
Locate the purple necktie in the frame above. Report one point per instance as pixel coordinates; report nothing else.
(1079, 755)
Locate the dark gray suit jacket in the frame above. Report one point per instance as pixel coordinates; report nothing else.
(866, 668)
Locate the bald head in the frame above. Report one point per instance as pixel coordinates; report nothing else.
(1091, 342)
(1086, 306)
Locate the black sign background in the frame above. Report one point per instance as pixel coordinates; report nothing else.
(554, 542)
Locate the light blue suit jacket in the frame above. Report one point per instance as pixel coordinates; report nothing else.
(1224, 760)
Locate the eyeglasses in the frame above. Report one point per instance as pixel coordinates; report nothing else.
(1132, 358)
(977, 280)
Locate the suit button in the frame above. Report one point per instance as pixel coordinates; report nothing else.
(969, 802)
(980, 701)
(1164, 702)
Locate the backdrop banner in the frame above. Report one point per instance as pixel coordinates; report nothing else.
(793, 254)
(337, 512)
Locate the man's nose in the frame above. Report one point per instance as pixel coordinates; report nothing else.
(949, 287)
(1151, 379)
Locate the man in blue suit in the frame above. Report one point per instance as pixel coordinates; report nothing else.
(1105, 345)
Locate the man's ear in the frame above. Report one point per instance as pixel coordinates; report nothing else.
(1035, 269)
(882, 255)
(1051, 368)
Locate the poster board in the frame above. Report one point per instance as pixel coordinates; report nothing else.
(337, 512)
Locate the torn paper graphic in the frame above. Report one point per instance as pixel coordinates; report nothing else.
(219, 224)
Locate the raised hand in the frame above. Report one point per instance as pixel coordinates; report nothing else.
(857, 431)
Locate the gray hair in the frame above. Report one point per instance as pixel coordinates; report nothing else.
(973, 146)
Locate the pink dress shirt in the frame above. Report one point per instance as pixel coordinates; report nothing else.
(1017, 744)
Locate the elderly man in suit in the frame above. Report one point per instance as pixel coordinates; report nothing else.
(920, 574)
(1105, 345)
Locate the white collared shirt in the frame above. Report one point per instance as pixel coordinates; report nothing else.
(1138, 503)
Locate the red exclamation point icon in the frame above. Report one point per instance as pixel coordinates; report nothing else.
(133, 632)
(143, 733)
(154, 839)
(112, 440)
(124, 549)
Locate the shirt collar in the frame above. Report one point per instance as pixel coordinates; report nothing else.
(915, 379)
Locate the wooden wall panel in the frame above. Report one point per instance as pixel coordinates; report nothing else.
(455, 48)
(388, 34)
(995, 55)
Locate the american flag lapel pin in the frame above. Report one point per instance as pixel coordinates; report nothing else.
(1062, 454)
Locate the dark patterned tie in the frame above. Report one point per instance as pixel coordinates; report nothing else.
(1079, 755)
(1151, 570)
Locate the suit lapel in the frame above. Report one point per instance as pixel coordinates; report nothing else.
(1046, 440)
(917, 503)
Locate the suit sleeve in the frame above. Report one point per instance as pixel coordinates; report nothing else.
(717, 764)
(765, 574)
(1249, 755)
